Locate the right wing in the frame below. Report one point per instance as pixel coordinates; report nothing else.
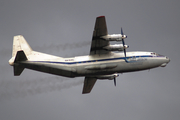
(97, 44)
(88, 84)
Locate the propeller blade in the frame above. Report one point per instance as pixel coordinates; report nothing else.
(123, 42)
(122, 31)
(122, 36)
(114, 81)
(124, 48)
(125, 53)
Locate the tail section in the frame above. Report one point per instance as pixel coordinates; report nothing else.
(21, 49)
(19, 43)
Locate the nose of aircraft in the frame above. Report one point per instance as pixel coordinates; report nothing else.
(166, 62)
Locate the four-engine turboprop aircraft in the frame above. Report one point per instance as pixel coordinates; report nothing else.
(101, 63)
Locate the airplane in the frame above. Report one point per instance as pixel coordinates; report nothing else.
(101, 63)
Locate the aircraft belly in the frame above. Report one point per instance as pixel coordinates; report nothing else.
(97, 69)
(51, 68)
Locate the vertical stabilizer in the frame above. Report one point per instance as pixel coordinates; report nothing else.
(19, 43)
(21, 50)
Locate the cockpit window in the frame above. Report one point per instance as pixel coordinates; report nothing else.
(153, 53)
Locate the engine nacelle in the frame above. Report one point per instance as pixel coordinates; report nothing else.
(114, 37)
(110, 77)
(116, 47)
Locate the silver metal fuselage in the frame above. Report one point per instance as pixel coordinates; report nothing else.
(97, 64)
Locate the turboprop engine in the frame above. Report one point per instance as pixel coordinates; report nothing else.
(116, 47)
(110, 77)
(114, 37)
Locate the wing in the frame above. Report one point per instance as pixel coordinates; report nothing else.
(88, 84)
(97, 43)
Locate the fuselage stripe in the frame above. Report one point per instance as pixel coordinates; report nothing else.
(100, 60)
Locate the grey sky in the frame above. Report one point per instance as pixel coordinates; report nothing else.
(64, 28)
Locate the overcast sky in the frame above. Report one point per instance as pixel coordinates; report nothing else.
(64, 28)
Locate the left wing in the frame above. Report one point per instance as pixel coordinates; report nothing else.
(97, 44)
(88, 84)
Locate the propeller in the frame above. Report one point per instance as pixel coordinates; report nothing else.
(123, 41)
(115, 75)
(114, 81)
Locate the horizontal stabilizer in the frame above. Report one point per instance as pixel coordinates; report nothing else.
(18, 68)
(20, 56)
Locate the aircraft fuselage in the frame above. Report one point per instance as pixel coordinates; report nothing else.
(95, 65)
